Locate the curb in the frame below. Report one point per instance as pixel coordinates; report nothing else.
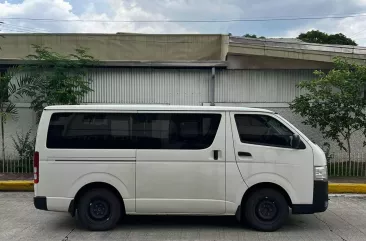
(16, 186)
(333, 188)
(355, 188)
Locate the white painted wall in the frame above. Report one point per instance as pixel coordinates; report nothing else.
(26, 121)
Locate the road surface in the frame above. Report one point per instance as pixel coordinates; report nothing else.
(345, 220)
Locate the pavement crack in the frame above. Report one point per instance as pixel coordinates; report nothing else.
(66, 238)
(330, 229)
(348, 222)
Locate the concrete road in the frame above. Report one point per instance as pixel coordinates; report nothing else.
(344, 221)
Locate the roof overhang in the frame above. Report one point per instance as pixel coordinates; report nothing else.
(138, 64)
(295, 50)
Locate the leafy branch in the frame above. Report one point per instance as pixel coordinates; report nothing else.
(57, 79)
(334, 102)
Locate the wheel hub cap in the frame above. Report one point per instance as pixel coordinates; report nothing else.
(99, 210)
(266, 210)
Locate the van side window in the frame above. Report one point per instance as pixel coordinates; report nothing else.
(131, 131)
(263, 130)
(90, 131)
(176, 131)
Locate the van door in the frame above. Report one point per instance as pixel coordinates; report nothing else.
(86, 147)
(180, 162)
(263, 152)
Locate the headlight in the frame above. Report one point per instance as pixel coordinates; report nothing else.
(321, 173)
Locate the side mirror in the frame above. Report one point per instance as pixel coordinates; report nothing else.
(295, 141)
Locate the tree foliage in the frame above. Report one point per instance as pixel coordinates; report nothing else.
(253, 36)
(315, 36)
(57, 79)
(334, 102)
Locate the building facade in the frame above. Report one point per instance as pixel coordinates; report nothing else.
(187, 70)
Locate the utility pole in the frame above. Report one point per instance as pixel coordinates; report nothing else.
(0, 29)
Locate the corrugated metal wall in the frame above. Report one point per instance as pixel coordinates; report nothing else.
(153, 86)
(256, 88)
(245, 86)
(191, 86)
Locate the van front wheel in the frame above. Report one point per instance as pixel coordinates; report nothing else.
(266, 210)
(99, 210)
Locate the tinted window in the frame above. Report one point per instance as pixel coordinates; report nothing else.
(177, 131)
(130, 131)
(90, 131)
(263, 130)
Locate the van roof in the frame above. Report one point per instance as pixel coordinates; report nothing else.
(116, 107)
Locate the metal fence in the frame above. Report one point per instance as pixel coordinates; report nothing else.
(338, 165)
(16, 166)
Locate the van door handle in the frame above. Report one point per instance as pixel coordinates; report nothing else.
(242, 153)
(216, 154)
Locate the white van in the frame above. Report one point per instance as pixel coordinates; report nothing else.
(102, 162)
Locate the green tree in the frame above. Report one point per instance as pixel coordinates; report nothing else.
(334, 102)
(56, 79)
(253, 36)
(10, 89)
(315, 36)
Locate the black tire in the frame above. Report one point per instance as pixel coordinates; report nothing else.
(99, 210)
(266, 210)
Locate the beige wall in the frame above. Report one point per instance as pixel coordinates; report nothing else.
(128, 47)
(265, 62)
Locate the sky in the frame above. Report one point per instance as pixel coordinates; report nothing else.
(112, 12)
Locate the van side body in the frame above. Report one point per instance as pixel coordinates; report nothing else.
(106, 161)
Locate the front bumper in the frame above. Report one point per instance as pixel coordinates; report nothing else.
(40, 203)
(320, 200)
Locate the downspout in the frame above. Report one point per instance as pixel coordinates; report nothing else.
(212, 87)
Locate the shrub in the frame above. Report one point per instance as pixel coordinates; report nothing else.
(24, 145)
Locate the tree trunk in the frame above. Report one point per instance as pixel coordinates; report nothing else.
(3, 142)
(349, 156)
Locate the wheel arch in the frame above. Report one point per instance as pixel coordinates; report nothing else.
(94, 185)
(262, 185)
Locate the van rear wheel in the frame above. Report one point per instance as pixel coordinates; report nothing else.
(266, 210)
(99, 210)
